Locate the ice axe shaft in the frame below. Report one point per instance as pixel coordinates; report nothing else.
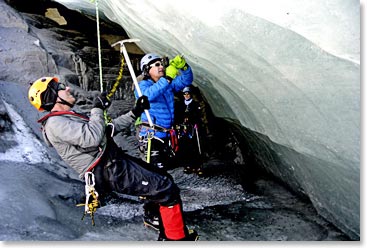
(197, 137)
(131, 69)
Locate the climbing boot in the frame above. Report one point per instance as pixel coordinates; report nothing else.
(187, 170)
(191, 235)
(199, 172)
(151, 215)
(151, 222)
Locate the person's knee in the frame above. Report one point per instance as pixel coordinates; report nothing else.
(171, 195)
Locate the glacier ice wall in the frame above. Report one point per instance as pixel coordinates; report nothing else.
(286, 70)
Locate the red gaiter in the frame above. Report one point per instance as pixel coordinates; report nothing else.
(173, 222)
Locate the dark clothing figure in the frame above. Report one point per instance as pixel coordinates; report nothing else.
(188, 111)
(188, 124)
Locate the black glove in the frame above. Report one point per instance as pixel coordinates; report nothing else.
(101, 101)
(141, 104)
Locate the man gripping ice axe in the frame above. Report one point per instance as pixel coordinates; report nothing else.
(153, 211)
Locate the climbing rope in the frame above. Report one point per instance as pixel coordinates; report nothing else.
(91, 200)
(107, 119)
(117, 82)
(99, 44)
(118, 79)
(114, 88)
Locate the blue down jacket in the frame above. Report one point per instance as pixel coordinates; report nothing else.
(161, 98)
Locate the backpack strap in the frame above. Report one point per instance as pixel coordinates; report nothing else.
(58, 113)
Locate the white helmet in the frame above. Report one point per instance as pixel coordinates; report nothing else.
(147, 59)
(186, 89)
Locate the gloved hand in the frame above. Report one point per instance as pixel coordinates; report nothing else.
(171, 72)
(141, 104)
(179, 62)
(101, 101)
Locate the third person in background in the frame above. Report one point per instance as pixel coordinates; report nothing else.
(188, 122)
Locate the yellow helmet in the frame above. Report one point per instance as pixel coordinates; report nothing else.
(37, 88)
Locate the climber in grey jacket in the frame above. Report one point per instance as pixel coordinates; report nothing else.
(87, 146)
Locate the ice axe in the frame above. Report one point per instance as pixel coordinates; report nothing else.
(132, 73)
(197, 137)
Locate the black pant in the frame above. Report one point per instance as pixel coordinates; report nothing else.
(125, 174)
(188, 152)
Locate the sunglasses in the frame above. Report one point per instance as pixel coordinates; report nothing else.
(156, 64)
(61, 86)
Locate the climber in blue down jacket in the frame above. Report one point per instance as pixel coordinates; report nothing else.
(160, 82)
(159, 85)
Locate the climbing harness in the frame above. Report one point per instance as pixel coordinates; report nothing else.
(145, 142)
(91, 200)
(184, 130)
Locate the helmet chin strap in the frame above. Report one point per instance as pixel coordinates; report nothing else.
(65, 102)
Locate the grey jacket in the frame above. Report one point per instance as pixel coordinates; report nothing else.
(78, 141)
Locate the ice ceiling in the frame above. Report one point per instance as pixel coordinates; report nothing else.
(287, 70)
